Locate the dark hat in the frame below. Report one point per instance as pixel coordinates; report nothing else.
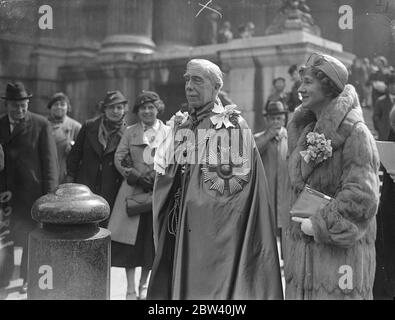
(292, 69)
(144, 97)
(113, 97)
(16, 91)
(274, 108)
(58, 96)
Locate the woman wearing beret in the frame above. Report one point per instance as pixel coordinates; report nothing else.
(132, 244)
(64, 129)
(91, 159)
(331, 255)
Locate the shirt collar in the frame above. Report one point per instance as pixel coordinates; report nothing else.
(155, 126)
(14, 122)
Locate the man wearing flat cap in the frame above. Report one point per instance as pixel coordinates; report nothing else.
(272, 145)
(30, 162)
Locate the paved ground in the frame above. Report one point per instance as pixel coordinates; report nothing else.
(117, 289)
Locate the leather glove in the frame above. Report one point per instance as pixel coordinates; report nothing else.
(146, 183)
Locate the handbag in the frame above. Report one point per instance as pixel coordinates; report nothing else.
(138, 203)
(309, 202)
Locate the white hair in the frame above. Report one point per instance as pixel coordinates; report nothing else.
(214, 73)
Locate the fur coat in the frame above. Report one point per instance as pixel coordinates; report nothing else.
(339, 261)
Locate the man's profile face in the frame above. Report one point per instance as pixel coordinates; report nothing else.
(17, 109)
(199, 89)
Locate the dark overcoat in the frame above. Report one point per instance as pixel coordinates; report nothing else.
(30, 169)
(1, 158)
(384, 283)
(89, 164)
(381, 116)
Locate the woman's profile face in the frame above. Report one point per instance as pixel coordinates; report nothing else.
(147, 113)
(311, 91)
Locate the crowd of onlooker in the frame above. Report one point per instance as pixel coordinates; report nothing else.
(374, 83)
(37, 154)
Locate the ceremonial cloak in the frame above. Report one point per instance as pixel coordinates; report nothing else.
(213, 234)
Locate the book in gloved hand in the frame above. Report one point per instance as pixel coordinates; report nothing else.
(309, 202)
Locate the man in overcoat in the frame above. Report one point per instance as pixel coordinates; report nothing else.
(382, 110)
(30, 163)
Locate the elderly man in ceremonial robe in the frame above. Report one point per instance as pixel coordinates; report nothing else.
(212, 224)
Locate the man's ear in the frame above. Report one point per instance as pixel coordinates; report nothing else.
(217, 89)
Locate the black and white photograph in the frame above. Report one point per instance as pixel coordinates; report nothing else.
(216, 151)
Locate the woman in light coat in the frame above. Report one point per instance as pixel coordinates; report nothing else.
(132, 238)
(331, 255)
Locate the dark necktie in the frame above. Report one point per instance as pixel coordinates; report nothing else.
(17, 123)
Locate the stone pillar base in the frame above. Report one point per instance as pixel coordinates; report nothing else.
(124, 47)
(69, 264)
(82, 52)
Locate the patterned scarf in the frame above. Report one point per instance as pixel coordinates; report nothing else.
(56, 120)
(108, 130)
(197, 115)
(113, 126)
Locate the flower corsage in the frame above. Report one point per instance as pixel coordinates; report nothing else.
(318, 148)
(227, 116)
(178, 119)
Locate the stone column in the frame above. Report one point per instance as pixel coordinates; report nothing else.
(129, 30)
(85, 30)
(173, 24)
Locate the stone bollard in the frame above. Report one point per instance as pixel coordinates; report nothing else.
(69, 255)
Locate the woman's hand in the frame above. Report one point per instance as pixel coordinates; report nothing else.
(392, 174)
(305, 225)
(146, 181)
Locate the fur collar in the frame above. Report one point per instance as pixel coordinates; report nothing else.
(343, 109)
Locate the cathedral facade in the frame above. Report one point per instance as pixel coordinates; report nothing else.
(101, 45)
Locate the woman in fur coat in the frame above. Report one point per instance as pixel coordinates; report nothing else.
(331, 255)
